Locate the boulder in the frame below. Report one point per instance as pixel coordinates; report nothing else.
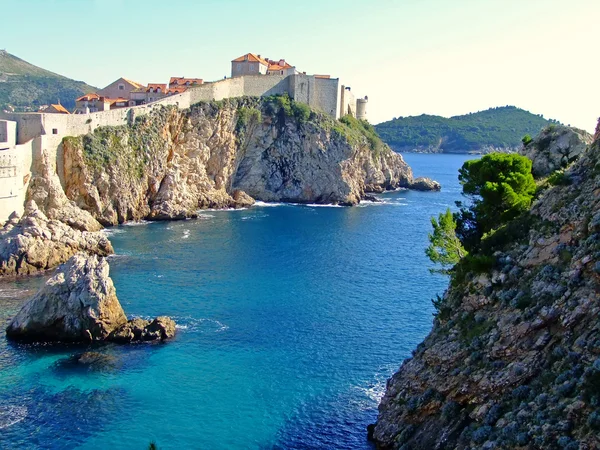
(555, 148)
(425, 184)
(79, 303)
(138, 329)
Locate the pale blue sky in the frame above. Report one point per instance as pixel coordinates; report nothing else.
(410, 57)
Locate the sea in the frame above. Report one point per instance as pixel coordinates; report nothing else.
(290, 320)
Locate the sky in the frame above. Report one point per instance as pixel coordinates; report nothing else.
(411, 57)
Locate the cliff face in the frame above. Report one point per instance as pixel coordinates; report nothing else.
(513, 360)
(214, 155)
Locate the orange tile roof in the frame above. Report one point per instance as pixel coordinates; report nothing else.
(88, 97)
(112, 101)
(181, 81)
(322, 76)
(137, 85)
(274, 65)
(154, 86)
(60, 108)
(251, 57)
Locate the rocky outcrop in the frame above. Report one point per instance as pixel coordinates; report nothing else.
(79, 304)
(142, 330)
(425, 184)
(555, 148)
(171, 163)
(513, 360)
(36, 243)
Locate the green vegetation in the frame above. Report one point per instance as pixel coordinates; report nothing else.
(498, 127)
(445, 248)
(500, 188)
(26, 87)
(288, 107)
(355, 130)
(559, 178)
(247, 116)
(527, 139)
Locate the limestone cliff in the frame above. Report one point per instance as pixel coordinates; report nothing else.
(513, 360)
(171, 163)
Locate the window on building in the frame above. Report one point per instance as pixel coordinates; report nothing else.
(54, 130)
(121, 87)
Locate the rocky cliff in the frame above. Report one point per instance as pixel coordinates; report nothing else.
(172, 162)
(513, 360)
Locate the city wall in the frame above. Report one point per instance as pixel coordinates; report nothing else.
(39, 133)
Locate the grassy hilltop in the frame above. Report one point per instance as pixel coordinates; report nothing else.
(25, 87)
(502, 128)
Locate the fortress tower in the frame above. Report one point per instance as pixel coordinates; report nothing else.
(361, 108)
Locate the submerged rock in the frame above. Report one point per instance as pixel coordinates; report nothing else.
(79, 304)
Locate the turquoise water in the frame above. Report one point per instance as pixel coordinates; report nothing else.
(290, 318)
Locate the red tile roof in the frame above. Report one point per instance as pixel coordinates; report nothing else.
(137, 85)
(154, 86)
(182, 81)
(251, 57)
(88, 97)
(60, 108)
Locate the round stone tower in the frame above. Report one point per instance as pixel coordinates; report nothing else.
(361, 108)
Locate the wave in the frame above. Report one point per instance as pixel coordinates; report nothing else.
(268, 204)
(320, 205)
(192, 325)
(10, 415)
(136, 224)
(13, 292)
(186, 234)
(111, 231)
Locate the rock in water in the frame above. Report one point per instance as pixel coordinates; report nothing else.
(79, 303)
(137, 329)
(425, 184)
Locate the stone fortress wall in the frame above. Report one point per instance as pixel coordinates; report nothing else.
(39, 134)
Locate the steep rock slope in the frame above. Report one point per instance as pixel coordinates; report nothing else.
(513, 360)
(225, 154)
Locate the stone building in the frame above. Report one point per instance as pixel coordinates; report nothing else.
(55, 109)
(90, 103)
(120, 88)
(249, 64)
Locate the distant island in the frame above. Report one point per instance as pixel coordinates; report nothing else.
(496, 129)
(25, 87)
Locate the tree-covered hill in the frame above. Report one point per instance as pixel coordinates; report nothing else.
(496, 128)
(26, 87)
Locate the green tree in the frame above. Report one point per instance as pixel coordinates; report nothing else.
(445, 248)
(500, 186)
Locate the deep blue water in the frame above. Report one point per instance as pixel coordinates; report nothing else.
(291, 319)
